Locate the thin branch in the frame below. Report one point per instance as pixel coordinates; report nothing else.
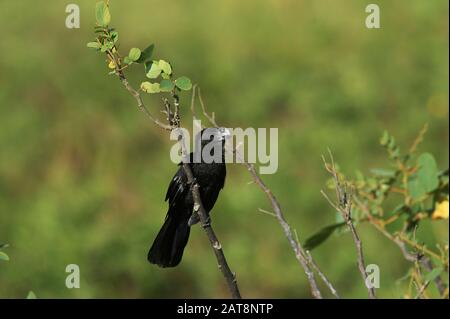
(140, 102)
(194, 87)
(174, 121)
(422, 289)
(211, 118)
(316, 268)
(295, 245)
(324, 278)
(428, 266)
(266, 212)
(343, 205)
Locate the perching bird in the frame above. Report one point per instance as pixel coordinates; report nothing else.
(167, 249)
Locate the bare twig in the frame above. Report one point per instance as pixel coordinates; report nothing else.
(343, 205)
(277, 212)
(422, 289)
(419, 139)
(211, 118)
(316, 268)
(295, 245)
(324, 278)
(174, 122)
(428, 266)
(140, 103)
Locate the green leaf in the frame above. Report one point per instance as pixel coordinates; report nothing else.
(166, 85)
(427, 173)
(165, 67)
(153, 70)
(31, 295)
(115, 36)
(134, 54)
(127, 60)
(109, 45)
(165, 76)
(150, 87)
(102, 14)
(94, 45)
(322, 235)
(4, 256)
(384, 140)
(146, 54)
(415, 189)
(432, 275)
(4, 246)
(183, 83)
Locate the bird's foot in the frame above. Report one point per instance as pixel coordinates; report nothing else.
(194, 219)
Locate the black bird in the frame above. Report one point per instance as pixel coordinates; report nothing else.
(167, 249)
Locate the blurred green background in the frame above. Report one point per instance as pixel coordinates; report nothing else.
(83, 174)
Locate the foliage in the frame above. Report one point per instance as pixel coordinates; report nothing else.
(396, 199)
(107, 42)
(3, 255)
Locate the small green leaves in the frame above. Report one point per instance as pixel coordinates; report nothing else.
(150, 87)
(165, 67)
(426, 178)
(166, 85)
(114, 35)
(134, 54)
(165, 76)
(94, 45)
(4, 256)
(322, 235)
(183, 83)
(428, 172)
(415, 189)
(432, 275)
(153, 70)
(31, 295)
(384, 140)
(157, 68)
(388, 141)
(102, 14)
(146, 54)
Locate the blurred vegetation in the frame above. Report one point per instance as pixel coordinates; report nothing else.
(83, 174)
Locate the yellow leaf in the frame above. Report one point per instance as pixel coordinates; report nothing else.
(441, 211)
(111, 65)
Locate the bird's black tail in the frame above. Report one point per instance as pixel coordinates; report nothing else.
(167, 249)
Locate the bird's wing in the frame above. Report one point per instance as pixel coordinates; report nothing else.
(177, 187)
